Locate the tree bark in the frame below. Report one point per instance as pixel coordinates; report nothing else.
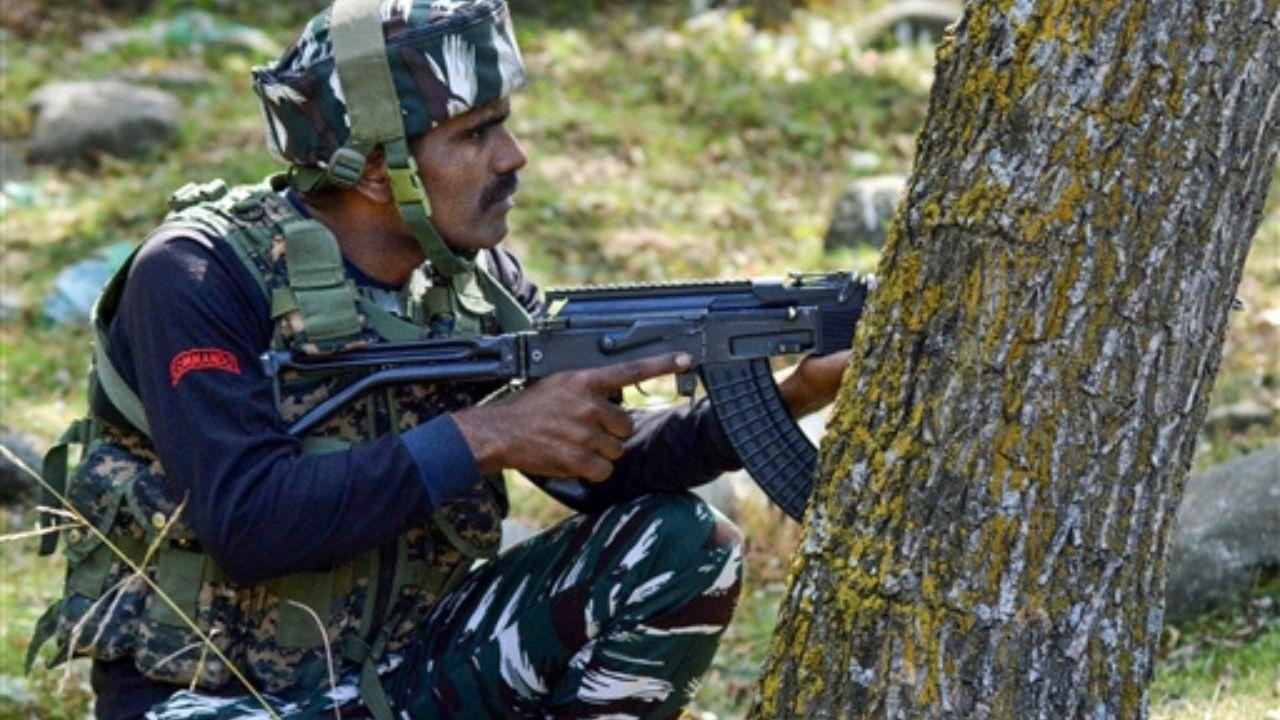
(989, 532)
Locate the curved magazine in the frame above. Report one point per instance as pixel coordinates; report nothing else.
(773, 449)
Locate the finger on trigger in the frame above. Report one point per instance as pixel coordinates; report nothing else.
(616, 377)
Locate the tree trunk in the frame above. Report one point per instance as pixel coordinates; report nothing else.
(989, 533)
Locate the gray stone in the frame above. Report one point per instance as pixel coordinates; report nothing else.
(172, 76)
(11, 307)
(13, 168)
(863, 212)
(16, 484)
(77, 121)
(1239, 416)
(515, 532)
(908, 22)
(1227, 532)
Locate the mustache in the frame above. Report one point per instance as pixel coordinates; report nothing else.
(498, 190)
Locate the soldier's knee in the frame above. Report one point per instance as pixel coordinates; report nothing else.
(693, 530)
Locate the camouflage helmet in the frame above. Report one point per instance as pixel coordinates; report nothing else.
(370, 74)
(445, 57)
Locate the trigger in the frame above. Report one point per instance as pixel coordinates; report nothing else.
(686, 383)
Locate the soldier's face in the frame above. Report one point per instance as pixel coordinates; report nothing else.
(468, 165)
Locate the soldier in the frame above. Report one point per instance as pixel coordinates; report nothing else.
(334, 573)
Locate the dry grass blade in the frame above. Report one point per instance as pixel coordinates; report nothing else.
(59, 512)
(328, 652)
(204, 657)
(138, 571)
(123, 586)
(115, 592)
(38, 532)
(180, 652)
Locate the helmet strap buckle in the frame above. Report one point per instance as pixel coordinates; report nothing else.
(345, 167)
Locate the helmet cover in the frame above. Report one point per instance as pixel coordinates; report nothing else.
(446, 57)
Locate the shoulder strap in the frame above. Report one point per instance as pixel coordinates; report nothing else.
(122, 396)
(511, 315)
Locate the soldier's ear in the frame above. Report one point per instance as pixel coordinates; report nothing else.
(373, 183)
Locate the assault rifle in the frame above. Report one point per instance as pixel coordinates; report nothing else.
(729, 328)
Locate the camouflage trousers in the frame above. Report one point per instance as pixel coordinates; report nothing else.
(615, 615)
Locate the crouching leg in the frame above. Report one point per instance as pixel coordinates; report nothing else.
(617, 614)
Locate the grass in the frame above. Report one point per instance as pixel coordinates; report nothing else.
(659, 149)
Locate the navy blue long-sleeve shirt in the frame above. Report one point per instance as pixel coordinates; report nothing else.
(262, 508)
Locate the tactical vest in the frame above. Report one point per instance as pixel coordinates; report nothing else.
(274, 632)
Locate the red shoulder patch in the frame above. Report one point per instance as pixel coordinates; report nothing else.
(201, 359)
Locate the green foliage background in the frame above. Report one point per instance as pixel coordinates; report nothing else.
(664, 144)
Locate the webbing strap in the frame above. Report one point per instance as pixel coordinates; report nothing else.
(53, 469)
(511, 315)
(118, 391)
(360, 58)
(240, 240)
(372, 693)
(122, 396)
(415, 208)
(319, 284)
(386, 323)
(45, 629)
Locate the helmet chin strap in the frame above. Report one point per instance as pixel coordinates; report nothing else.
(373, 106)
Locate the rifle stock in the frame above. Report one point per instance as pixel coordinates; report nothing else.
(729, 328)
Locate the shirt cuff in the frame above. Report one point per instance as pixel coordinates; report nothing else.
(444, 459)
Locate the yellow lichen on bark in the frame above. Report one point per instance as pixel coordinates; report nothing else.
(987, 494)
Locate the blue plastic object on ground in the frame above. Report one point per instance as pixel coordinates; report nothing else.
(78, 285)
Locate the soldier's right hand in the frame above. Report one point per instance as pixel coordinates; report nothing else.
(563, 426)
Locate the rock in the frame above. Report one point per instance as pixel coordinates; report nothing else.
(1226, 533)
(16, 484)
(863, 212)
(1239, 416)
(169, 76)
(908, 22)
(13, 169)
(10, 307)
(515, 532)
(76, 121)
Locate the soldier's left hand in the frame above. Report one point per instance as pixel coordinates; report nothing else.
(813, 383)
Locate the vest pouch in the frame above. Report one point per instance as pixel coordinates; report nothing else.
(168, 647)
(101, 598)
(306, 606)
(180, 574)
(96, 491)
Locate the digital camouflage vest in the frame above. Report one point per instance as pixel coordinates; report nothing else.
(270, 631)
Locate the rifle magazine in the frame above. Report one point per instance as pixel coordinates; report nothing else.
(772, 448)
